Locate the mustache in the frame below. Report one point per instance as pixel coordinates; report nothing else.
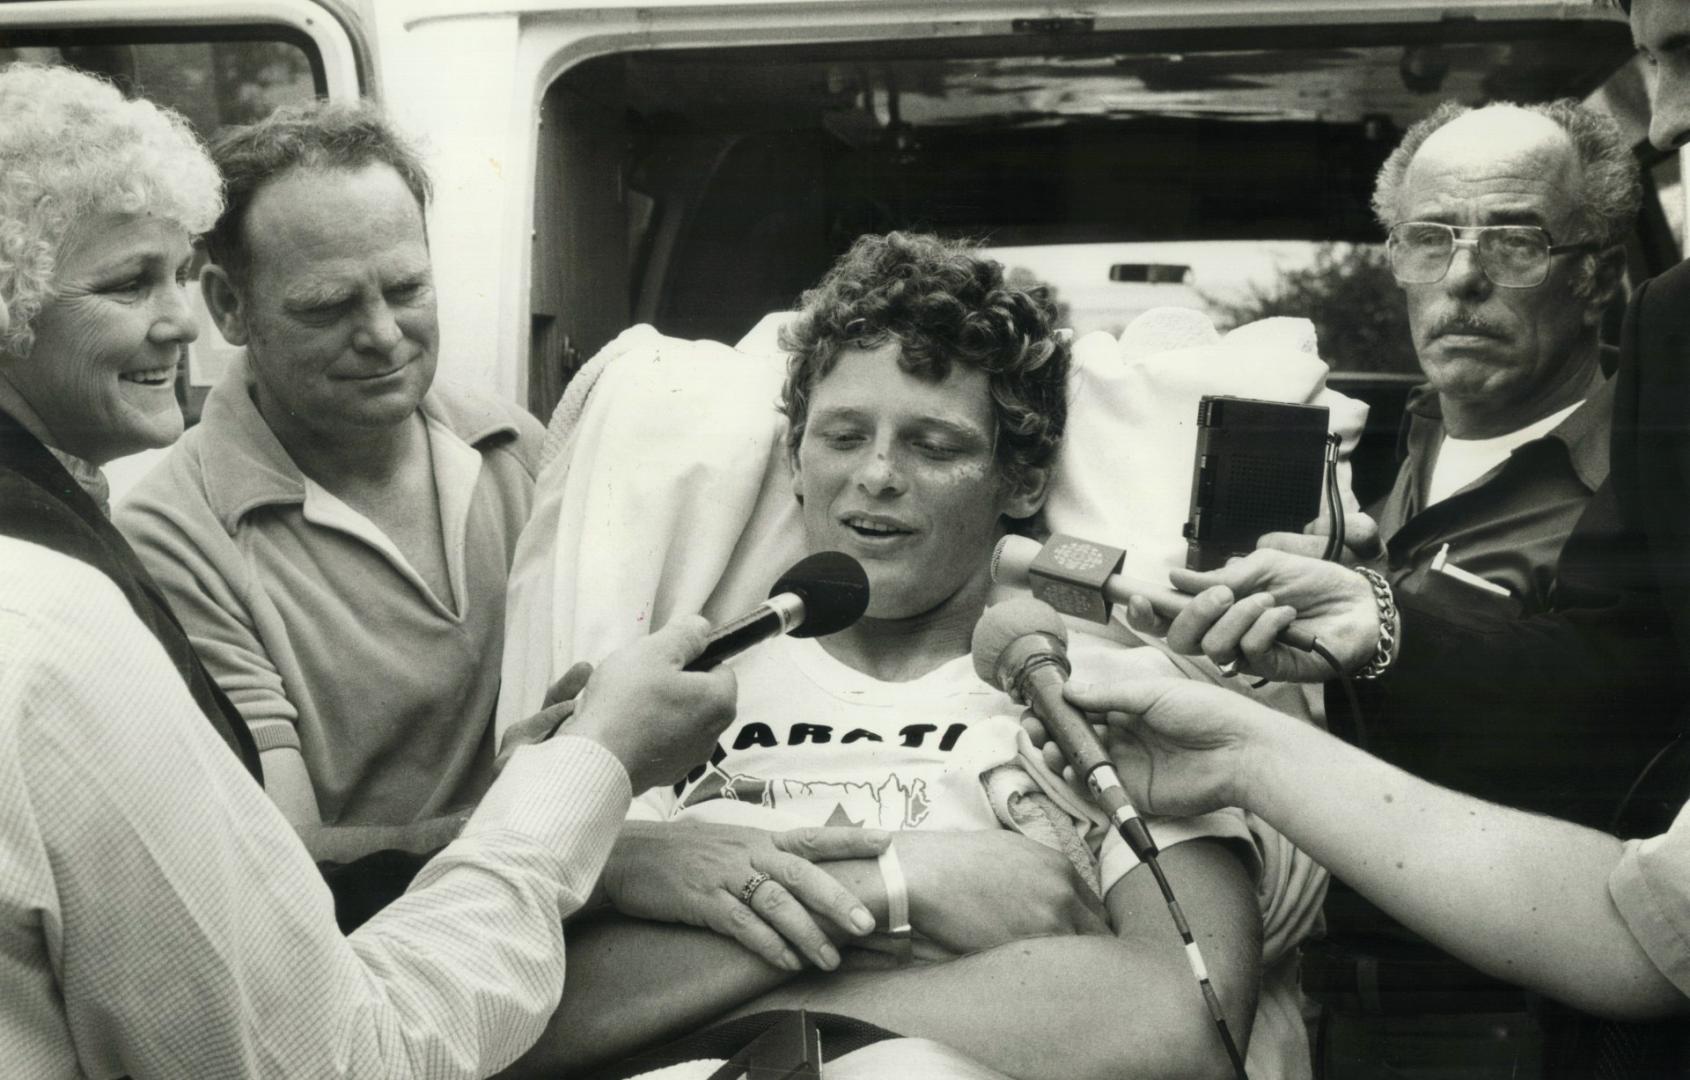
(1464, 322)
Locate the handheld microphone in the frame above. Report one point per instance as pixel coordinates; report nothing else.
(821, 594)
(1021, 647)
(1075, 577)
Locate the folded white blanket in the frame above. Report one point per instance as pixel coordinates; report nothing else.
(668, 493)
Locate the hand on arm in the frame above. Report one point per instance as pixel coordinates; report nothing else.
(634, 983)
(642, 975)
(692, 873)
(971, 891)
(1074, 1006)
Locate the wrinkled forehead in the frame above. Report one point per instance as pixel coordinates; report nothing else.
(1496, 166)
(321, 219)
(117, 236)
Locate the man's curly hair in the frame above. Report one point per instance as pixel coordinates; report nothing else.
(943, 304)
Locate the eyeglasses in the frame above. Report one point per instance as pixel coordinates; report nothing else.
(1513, 256)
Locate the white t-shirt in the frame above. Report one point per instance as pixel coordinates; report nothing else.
(816, 742)
(1462, 461)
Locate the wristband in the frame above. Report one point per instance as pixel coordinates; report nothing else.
(1386, 653)
(897, 903)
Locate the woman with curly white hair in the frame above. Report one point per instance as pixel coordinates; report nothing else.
(100, 198)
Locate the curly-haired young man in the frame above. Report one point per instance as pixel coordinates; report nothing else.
(926, 400)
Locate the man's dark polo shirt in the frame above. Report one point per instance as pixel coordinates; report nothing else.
(1508, 526)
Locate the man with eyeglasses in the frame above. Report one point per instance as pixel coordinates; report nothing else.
(1506, 227)
(1506, 231)
(1588, 916)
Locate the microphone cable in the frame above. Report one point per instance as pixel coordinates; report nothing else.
(1334, 503)
(1021, 647)
(1334, 550)
(1106, 788)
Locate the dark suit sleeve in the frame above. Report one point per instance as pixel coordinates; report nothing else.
(1609, 632)
(1621, 583)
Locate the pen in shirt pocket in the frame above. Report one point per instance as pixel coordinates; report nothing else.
(1442, 565)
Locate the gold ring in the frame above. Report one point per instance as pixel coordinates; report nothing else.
(752, 884)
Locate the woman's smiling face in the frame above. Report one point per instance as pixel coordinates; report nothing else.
(102, 373)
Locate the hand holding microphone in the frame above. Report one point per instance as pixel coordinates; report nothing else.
(658, 704)
(821, 594)
(1264, 612)
(1021, 646)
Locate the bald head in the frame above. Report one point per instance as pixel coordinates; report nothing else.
(1521, 166)
(1605, 193)
(1499, 354)
(1497, 130)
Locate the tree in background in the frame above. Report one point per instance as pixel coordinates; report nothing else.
(1352, 299)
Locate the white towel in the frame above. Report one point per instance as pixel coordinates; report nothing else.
(669, 494)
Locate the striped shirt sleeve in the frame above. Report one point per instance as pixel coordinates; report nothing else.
(177, 925)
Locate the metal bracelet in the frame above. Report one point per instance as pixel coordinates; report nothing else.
(1386, 653)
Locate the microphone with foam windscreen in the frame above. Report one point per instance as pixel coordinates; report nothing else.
(821, 594)
(1080, 578)
(1021, 647)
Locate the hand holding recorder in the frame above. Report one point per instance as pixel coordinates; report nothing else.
(1241, 613)
(1263, 612)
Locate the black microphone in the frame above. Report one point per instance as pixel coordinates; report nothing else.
(1021, 647)
(821, 594)
(1077, 577)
